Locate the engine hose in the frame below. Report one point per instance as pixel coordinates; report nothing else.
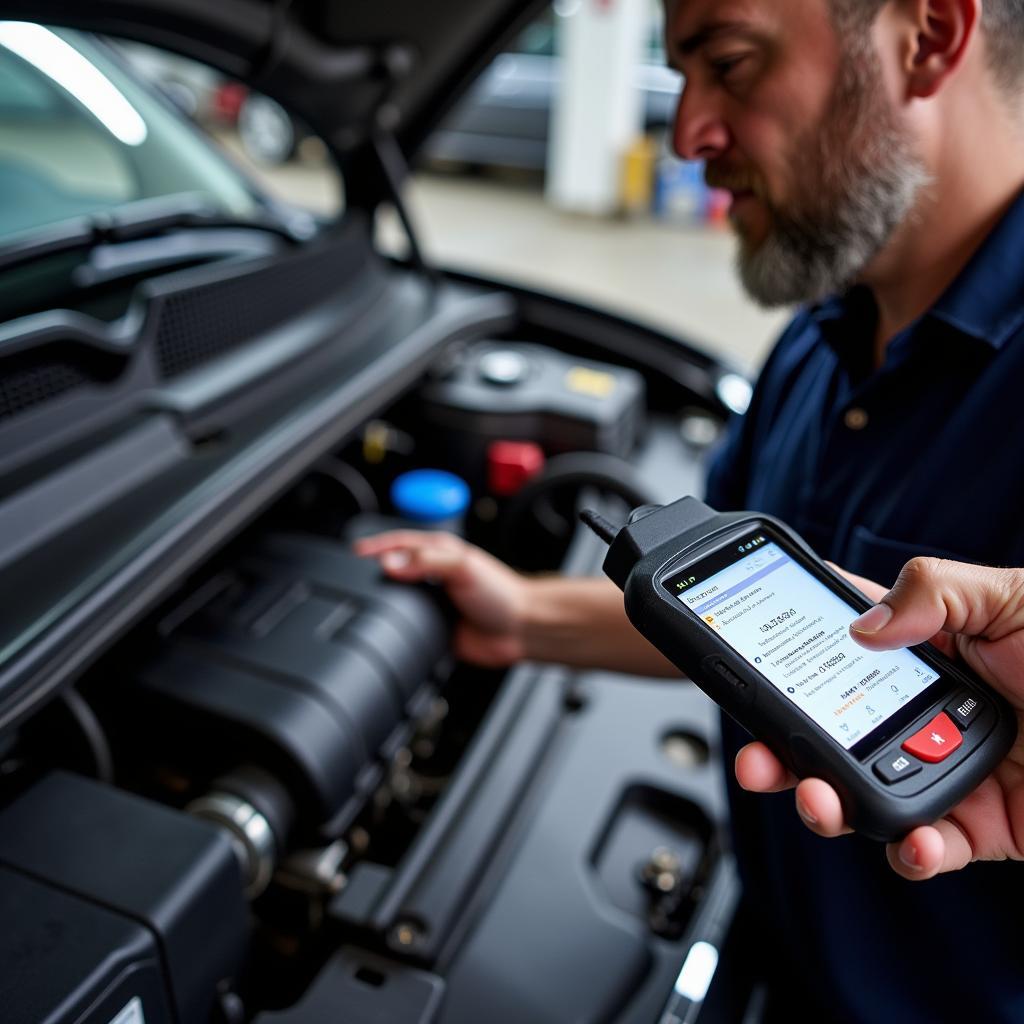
(352, 480)
(92, 732)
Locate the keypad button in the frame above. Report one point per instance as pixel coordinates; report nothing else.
(936, 741)
(964, 708)
(896, 766)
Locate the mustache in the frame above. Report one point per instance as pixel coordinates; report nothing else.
(735, 180)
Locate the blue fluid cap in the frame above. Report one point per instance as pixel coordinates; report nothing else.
(430, 495)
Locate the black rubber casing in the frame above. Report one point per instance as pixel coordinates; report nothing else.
(661, 541)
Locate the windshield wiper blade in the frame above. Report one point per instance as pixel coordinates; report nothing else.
(106, 263)
(148, 217)
(133, 221)
(65, 236)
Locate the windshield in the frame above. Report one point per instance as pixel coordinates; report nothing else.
(78, 136)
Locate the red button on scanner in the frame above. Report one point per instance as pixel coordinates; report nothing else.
(936, 741)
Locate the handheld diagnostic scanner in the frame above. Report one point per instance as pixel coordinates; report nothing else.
(742, 605)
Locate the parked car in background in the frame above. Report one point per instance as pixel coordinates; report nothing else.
(199, 91)
(505, 118)
(266, 131)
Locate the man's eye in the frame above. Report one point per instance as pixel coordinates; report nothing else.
(724, 67)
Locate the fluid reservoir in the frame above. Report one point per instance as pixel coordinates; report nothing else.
(431, 497)
(515, 391)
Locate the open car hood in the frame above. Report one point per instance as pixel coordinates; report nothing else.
(350, 68)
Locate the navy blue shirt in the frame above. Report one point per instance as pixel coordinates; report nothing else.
(924, 455)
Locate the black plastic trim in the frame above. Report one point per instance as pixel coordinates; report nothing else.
(177, 541)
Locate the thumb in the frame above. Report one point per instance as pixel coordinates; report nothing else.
(932, 595)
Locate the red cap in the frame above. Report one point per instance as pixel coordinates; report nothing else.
(511, 464)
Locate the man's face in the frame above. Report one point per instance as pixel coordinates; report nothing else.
(797, 125)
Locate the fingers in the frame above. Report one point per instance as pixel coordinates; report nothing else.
(396, 540)
(927, 851)
(410, 555)
(930, 850)
(760, 771)
(817, 803)
(819, 808)
(924, 853)
(933, 594)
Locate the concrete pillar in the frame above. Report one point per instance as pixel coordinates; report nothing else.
(597, 109)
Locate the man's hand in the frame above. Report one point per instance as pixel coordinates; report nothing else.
(489, 596)
(969, 610)
(506, 617)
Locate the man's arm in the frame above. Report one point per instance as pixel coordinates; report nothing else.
(582, 622)
(508, 617)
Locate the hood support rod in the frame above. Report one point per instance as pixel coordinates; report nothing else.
(395, 170)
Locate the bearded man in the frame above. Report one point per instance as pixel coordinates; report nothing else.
(874, 150)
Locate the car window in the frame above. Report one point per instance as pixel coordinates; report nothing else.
(90, 124)
(22, 95)
(255, 133)
(78, 135)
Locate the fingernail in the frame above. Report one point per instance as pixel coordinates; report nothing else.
(805, 814)
(908, 856)
(395, 560)
(873, 620)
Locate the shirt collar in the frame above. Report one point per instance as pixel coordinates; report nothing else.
(847, 324)
(984, 302)
(986, 299)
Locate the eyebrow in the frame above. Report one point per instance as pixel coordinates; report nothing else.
(690, 44)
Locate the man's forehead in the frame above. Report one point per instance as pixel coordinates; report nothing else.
(678, 12)
(685, 19)
(689, 24)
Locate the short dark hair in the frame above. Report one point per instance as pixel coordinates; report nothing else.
(1002, 21)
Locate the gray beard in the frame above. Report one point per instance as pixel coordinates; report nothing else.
(863, 185)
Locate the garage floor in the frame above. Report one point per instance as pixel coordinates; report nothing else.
(672, 276)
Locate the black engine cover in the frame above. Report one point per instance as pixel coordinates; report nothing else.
(105, 900)
(300, 657)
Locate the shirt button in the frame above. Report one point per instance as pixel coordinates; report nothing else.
(855, 419)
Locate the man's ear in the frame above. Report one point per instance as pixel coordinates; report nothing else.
(942, 32)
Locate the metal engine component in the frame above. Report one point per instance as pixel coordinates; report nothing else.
(250, 833)
(257, 812)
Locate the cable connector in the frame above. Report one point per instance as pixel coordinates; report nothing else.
(597, 522)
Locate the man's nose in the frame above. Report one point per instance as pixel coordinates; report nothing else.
(700, 132)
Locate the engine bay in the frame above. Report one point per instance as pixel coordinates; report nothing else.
(274, 795)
